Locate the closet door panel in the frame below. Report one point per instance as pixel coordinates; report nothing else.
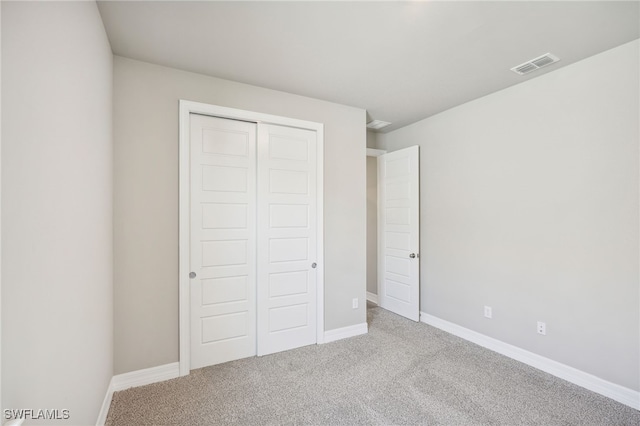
(223, 240)
(287, 240)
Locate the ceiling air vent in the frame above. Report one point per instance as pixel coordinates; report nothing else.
(534, 64)
(377, 124)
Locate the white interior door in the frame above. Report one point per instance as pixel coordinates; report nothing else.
(399, 232)
(287, 240)
(223, 240)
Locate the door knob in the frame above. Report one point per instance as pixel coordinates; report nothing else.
(313, 265)
(412, 255)
(192, 275)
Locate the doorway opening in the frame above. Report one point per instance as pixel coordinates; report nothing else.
(372, 225)
(396, 203)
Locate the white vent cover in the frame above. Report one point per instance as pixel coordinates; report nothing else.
(377, 124)
(534, 64)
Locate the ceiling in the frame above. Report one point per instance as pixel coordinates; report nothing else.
(401, 61)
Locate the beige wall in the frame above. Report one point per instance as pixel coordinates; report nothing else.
(146, 201)
(372, 225)
(57, 289)
(372, 139)
(529, 204)
(372, 215)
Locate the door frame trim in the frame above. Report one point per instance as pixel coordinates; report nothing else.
(184, 248)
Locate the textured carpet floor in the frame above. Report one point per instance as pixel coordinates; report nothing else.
(400, 373)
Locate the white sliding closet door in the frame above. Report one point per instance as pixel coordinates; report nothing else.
(253, 239)
(223, 240)
(287, 240)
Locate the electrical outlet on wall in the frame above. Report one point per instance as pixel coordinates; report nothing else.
(542, 328)
(354, 303)
(488, 313)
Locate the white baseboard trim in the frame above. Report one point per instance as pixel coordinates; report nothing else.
(345, 332)
(134, 379)
(588, 381)
(372, 297)
(146, 376)
(106, 404)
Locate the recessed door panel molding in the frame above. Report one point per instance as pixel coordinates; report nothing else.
(288, 283)
(398, 167)
(224, 216)
(397, 215)
(288, 249)
(225, 290)
(225, 178)
(287, 226)
(398, 241)
(294, 182)
(225, 142)
(398, 266)
(251, 275)
(288, 148)
(399, 232)
(288, 215)
(225, 253)
(289, 317)
(399, 291)
(398, 191)
(218, 328)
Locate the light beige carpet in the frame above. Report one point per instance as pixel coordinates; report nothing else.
(400, 373)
